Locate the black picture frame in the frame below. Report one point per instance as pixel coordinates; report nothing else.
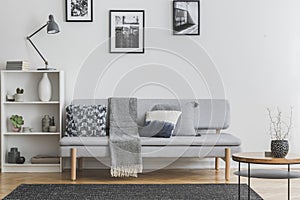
(79, 11)
(124, 21)
(186, 17)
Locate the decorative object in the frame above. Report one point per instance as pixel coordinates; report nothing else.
(85, 120)
(279, 131)
(279, 148)
(45, 88)
(185, 124)
(17, 122)
(160, 123)
(13, 155)
(186, 17)
(19, 96)
(45, 123)
(79, 10)
(52, 28)
(129, 191)
(26, 129)
(10, 97)
(126, 31)
(52, 127)
(45, 159)
(18, 65)
(20, 160)
(124, 143)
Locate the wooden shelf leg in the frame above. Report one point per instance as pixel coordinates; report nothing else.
(73, 164)
(216, 163)
(227, 163)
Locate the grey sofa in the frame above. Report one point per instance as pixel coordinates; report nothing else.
(210, 114)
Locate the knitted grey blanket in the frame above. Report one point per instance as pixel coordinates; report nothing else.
(124, 141)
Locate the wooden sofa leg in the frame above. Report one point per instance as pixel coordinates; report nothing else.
(227, 163)
(73, 164)
(216, 163)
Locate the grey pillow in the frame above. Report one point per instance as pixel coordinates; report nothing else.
(185, 123)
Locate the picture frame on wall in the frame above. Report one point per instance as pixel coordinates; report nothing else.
(186, 17)
(79, 10)
(126, 31)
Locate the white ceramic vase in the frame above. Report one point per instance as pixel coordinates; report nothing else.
(45, 88)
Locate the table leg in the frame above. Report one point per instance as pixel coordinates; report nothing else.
(248, 181)
(239, 181)
(289, 182)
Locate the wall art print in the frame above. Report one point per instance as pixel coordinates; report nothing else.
(126, 31)
(79, 10)
(186, 17)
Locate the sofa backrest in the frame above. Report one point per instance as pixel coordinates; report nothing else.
(209, 114)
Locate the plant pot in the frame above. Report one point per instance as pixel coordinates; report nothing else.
(15, 129)
(19, 97)
(279, 148)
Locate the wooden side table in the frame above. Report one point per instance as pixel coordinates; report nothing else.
(259, 158)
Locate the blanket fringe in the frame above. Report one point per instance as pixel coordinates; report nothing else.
(126, 171)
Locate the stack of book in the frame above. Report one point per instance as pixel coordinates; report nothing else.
(17, 65)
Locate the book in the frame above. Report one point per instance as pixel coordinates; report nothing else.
(17, 65)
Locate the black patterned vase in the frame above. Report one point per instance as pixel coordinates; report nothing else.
(279, 148)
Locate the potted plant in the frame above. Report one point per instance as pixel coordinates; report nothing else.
(279, 130)
(19, 95)
(17, 122)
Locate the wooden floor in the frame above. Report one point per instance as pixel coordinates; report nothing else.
(268, 189)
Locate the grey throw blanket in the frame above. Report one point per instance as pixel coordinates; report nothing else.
(124, 141)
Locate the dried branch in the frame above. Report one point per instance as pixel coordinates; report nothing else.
(279, 129)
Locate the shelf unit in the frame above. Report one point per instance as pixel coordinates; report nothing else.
(32, 110)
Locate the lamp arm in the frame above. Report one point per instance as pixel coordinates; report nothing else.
(28, 38)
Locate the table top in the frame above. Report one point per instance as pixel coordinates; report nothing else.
(259, 158)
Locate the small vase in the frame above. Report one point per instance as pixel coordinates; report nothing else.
(45, 88)
(279, 148)
(13, 155)
(45, 123)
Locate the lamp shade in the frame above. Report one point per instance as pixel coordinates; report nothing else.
(52, 26)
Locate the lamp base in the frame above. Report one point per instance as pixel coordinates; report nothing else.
(45, 69)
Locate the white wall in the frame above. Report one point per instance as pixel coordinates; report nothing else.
(248, 52)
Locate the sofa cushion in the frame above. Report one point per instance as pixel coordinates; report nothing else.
(157, 129)
(159, 123)
(207, 139)
(185, 125)
(85, 120)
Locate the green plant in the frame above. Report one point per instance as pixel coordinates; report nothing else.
(17, 121)
(20, 91)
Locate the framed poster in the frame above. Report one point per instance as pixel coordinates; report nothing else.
(79, 10)
(126, 31)
(186, 17)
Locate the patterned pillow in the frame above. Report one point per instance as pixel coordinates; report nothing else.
(85, 120)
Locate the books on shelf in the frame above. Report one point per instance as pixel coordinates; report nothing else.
(17, 65)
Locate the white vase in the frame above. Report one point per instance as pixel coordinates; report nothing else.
(45, 88)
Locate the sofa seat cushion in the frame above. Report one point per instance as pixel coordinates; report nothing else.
(209, 139)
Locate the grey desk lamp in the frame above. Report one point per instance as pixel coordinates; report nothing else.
(52, 28)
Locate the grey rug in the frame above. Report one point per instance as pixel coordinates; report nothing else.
(130, 191)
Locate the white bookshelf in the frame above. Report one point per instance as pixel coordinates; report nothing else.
(32, 110)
